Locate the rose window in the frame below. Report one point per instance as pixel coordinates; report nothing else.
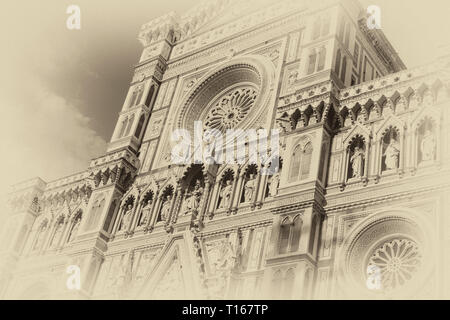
(395, 262)
(231, 109)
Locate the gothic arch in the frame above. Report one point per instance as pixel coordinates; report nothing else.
(251, 70)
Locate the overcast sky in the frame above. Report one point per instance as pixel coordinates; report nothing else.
(61, 90)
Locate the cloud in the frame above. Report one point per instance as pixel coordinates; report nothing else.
(43, 135)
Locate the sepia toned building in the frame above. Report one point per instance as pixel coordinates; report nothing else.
(357, 208)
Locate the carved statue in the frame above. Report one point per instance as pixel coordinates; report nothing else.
(392, 155)
(165, 210)
(193, 200)
(226, 195)
(146, 211)
(274, 184)
(428, 146)
(357, 162)
(250, 188)
(126, 218)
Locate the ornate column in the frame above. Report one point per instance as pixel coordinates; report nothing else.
(204, 203)
(401, 160)
(345, 168)
(176, 204)
(366, 163)
(135, 220)
(237, 192)
(261, 187)
(212, 205)
(118, 220)
(172, 214)
(153, 213)
(136, 204)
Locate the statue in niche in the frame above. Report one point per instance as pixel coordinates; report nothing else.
(193, 199)
(357, 163)
(146, 211)
(226, 195)
(250, 188)
(274, 184)
(392, 155)
(428, 146)
(165, 209)
(126, 218)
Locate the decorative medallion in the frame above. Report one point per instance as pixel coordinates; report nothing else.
(231, 109)
(396, 261)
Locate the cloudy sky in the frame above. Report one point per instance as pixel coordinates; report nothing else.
(61, 90)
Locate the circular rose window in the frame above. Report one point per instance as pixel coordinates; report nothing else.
(395, 263)
(231, 109)
(386, 256)
(234, 95)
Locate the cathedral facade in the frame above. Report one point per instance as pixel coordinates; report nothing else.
(355, 208)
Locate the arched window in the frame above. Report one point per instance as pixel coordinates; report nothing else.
(295, 164)
(149, 99)
(124, 126)
(75, 226)
(316, 29)
(140, 126)
(312, 62)
(322, 56)
(285, 233)
(344, 69)
(130, 124)
(306, 161)
(338, 62)
(57, 233)
(132, 99)
(296, 231)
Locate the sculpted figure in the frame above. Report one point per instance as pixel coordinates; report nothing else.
(193, 202)
(357, 162)
(126, 218)
(165, 210)
(226, 195)
(146, 211)
(274, 184)
(250, 188)
(428, 146)
(392, 155)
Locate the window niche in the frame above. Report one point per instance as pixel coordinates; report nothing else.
(289, 234)
(357, 156)
(301, 162)
(391, 150)
(426, 142)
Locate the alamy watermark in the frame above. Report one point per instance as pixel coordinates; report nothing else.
(237, 146)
